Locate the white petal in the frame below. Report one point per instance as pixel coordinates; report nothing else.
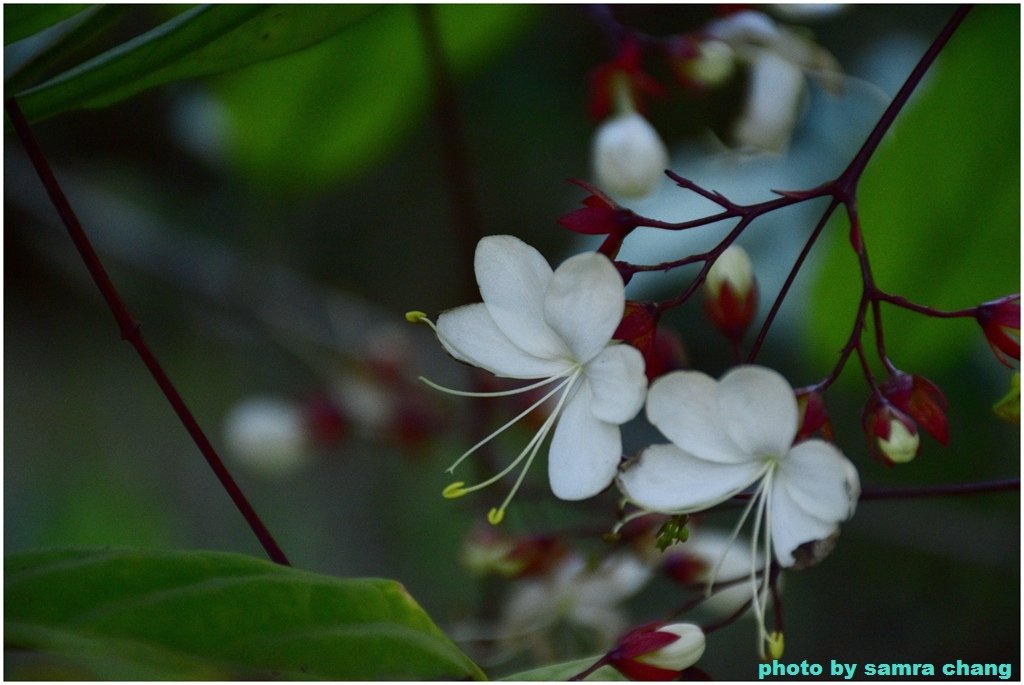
(513, 278)
(684, 407)
(817, 478)
(585, 451)
(469, 334)
(617, 380)
(792, 525)
(584, 303)
(669, 480)
(758, 409)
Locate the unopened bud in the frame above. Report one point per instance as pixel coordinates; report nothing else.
(654, 652)
(902, 444)
(713, 64)
(628, 155)
(731, 292)
(1000, 321)
(684, 652)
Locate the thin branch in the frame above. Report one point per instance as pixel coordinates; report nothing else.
(131, 331)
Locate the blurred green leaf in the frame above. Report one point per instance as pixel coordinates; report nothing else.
(566, 670)
(208, 39)
(24, 20)
(939, 204)
(316, 117)
(238, 615)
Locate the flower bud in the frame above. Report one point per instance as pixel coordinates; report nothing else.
(921, 400)
(707, 64)
(657, 652)
(902, 443)
(628, 155)
(730, 292)
(1000, 321)
(892, 433)
(813, 415)
(267, 434)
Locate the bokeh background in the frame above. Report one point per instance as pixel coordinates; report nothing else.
(270, 226)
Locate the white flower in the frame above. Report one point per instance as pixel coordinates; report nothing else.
(775, 89)
(555, 326)
(578, 593)
(681, 654)
(628, 155)
(728, 435)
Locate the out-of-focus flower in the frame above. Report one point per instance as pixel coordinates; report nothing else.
(733, 433)
(777, 57)
(730, 292)
(773, 100)
(579, 593)
(487, 551)
(1000, 321)
(657, 651)
(556, 326)
(711, 555)
(628, 155)
(268, 435)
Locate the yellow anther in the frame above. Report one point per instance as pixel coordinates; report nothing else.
(776, 645)
(415, 317)
(495, 516)
(454, 490)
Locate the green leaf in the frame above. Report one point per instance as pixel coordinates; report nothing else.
(566, 670)
(206, 40)
(123, 614)
(939, 204)
(317, 117)
(24, 20)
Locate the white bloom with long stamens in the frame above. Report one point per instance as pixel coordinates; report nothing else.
(728, 435)
(556, 326)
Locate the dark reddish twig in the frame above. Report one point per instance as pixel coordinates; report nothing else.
(131, 331)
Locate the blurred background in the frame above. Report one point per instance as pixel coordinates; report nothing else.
(269, 228)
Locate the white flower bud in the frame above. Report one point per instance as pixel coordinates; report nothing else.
(902, 444)
(678, 655)
(715, 64)
(732, 267)
(628, 155)
(770, 112)
(267, 434)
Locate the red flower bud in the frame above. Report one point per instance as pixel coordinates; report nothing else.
(892, 435)
(813, 415)
(922, 400)
(730, 293)
(1000, 321)
(657, 651)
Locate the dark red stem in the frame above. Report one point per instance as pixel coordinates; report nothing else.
(131, 331)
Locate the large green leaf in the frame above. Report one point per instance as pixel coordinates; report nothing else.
(315, 117)
(24, 20)
(939, 203)
(205, 40)
(128, 613)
